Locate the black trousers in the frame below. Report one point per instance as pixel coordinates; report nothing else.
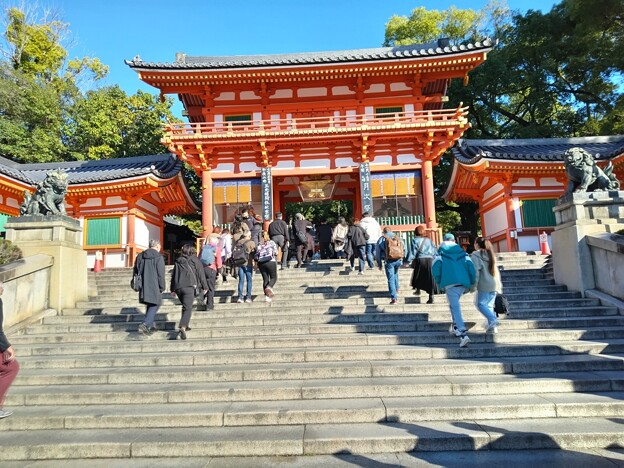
(211, 279)
(268, 270)
(187, 297)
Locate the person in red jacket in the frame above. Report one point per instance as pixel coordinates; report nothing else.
(8, 364)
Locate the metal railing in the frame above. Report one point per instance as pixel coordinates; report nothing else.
(325, 124)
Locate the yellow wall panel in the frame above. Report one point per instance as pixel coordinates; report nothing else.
(231, 194)
(402, 186)
(244, 193)
(388, 186)
(218, 195)
(376, 187)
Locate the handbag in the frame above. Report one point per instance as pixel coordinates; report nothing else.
(136, 282)
(301, 236)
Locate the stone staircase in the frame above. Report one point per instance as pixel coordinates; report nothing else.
(329, 367)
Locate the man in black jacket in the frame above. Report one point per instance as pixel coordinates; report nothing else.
(8, 364)
(151, 265)
(278, 232)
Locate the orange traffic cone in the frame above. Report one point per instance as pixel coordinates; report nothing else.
(544, 243)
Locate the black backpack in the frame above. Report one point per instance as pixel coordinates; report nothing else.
(239, 254)
(501, 304)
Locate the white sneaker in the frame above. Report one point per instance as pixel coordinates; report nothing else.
(464, 341)
(5, 413)
(454, 331)
(267, 299)
(240, 301)
(492, 328)
(248, 300)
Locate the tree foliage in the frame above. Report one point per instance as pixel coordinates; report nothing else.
(45, 114)
(553, 74)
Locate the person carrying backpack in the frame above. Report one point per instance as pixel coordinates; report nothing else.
(210, 258)
(266, 258)
(243, 259)
(390, 250)
(454, 272)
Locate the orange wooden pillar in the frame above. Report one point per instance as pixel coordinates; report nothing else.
(428, 195)
(512, 244)
(206, 203)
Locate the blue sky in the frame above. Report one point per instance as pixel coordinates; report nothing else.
(114, 30)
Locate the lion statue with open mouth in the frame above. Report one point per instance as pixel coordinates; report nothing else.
(49, 196)
(585, 176)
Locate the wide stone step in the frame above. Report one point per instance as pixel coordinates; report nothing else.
(312, 389)
(322, 370)
(313, 439)
(191, 357)
(163, 342)
(291, 412)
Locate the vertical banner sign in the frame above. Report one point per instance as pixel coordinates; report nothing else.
(267, 193)
(365, 188)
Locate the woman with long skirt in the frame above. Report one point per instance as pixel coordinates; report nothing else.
(421, 253)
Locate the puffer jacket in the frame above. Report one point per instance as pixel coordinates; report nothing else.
(372, 228)
(453, 267)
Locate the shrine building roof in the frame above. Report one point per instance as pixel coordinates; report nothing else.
(161, 166)
(470, 152)
(437, 48)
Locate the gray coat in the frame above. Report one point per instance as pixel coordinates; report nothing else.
(152, 267)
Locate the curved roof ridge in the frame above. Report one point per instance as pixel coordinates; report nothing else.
(439, 47)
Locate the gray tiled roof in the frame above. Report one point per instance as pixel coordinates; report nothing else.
(436, 48)
(536, 150)
(162, 166)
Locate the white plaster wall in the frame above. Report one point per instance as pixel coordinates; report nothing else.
(311, 92)
(249, 96)
(284, 165)
(399, 87)
(92, 202)
(282, 93)
(124, 230)
(248, 166)
(341, 90)
(551, 182)
(227, 96)
(345, 162)
(115, 201)
(257, 116)
(381, 160)
(495, 220)
(524, 182)
(224, 167)
(316, 163)
(376, 88)
(407, 159)
(113, 260)
(530, 243)
(145, 231)
(491, 192)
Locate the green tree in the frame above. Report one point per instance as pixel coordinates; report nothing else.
(552, 74)
(107, 123)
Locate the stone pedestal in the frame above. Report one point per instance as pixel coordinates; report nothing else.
(59, 237)
(578, 215)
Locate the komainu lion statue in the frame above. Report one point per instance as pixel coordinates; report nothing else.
(49, 196)
(585, 176)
